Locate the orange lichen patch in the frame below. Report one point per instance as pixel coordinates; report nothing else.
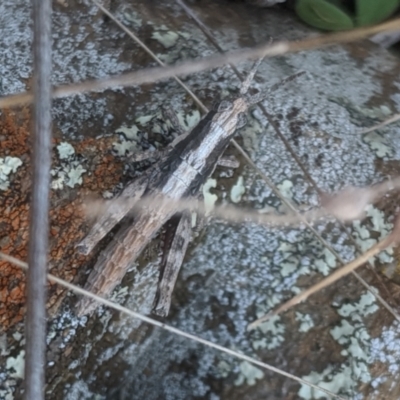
(67, 221)
(14, 131)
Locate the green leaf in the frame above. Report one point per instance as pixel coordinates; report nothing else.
(369, 12)
(323, 15)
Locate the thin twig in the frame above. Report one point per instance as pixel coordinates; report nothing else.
(35, 326)
(133, 314)
(338, 201)
(340, 273)
(150, 75)
(388, 121)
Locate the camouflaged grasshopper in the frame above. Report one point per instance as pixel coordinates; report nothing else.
(180, 172)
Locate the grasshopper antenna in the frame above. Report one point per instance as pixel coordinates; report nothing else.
(247, 82)
(262, 95)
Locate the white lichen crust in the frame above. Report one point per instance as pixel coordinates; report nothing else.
(8, 166)
(236, 273)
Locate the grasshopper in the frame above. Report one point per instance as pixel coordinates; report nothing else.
(180, 173)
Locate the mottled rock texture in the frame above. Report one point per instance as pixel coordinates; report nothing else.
(341, 338)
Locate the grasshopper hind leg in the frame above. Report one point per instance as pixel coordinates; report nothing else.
(171, 263)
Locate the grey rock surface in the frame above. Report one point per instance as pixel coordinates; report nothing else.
(341, 339)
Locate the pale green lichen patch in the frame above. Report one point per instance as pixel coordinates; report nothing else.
(269, 334)
(378, 144)
(132, 18)
(385, 110)
(378, 221)
(336, 381)
(252, 132)
(6, 394)
(125, 147)
(17, 336)
(69, 171)
(285, 188)
(224, 368)
(130, 133)
(360, 114)
(8, 165)
(380, 112)
(65, 150)
(367, 305)
(145, 119)
(171, 41)
(128, 140)
(166, 37)
(70, 177)
(13, 366)
(119, 294)
(74, 176)
(249, 374)
(188, 120)
(326, 263)
(209, 198)
(16, 365)
(306, 322)
(351, 333)
(288, 267)
(155, 123)
(237, 190)
(375, 222)
(345, 329)
(287, 257)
